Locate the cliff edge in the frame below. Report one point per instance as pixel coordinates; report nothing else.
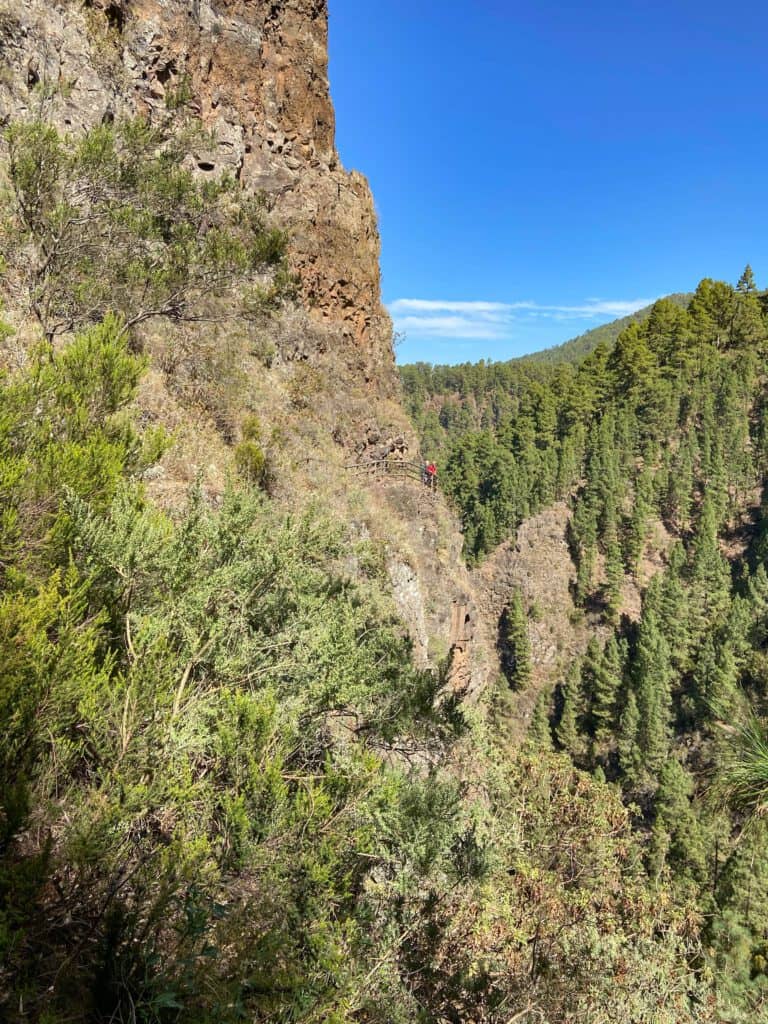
(254, 76)
(245, 86)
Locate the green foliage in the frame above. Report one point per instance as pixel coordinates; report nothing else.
(736, 930)
(540, 732)
(179, 94)
(648, 423)
(514, 644)
(64, 430)
(209, 807)
(602, 676)
(111, 222)
(666, 424)
(568, 733)
(225, 791)
(744, 773)
(250, 460)
(576, 349)
(197, 712)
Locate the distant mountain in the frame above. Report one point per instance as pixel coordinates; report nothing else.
(575, 349)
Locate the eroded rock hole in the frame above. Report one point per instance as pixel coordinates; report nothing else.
(205, 165)
(165, 74)
(115, 17)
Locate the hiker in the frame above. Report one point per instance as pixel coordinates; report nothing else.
(431, 476)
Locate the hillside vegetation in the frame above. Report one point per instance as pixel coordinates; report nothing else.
(225, 791)
(575, 349)
(669, 425)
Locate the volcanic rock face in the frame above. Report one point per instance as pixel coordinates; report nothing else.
(254, 74)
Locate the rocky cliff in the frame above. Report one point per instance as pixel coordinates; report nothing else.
(254, 75)
(245, 84)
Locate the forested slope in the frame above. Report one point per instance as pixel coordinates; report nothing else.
(575, 349)
(225, 791)
(670, 424)
(239, 778)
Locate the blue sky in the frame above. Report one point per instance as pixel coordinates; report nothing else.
(540, 168)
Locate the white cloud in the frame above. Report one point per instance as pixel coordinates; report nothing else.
(436, 306)
(452, 327)
(448, 318)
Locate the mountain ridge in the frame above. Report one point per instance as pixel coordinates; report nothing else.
(576, 348)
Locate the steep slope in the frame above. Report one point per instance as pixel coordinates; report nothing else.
(254, 75)
(243, 88)
(631, 598)
(240, 775)
(538, 564)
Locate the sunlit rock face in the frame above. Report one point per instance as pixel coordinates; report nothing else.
(243, 84)
(255, 75)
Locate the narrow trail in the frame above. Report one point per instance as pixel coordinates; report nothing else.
(378, 469)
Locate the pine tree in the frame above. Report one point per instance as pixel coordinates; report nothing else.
(584, 531)
(638, 523)
(653, 676)
(758, 592)
(739, 629)
(680, 488)
(667, 331)
(568, 467)
(736, 932)
(712, 311)
(605, 682)
(584, 573)
(567, 732)
(715, 680)
(746, 285)
(630, 758)
(632, 363)
(687, 853)
(514, 644)
(614, 568)
(539, 732)
(667, 599)
(749, 327)
(710, 575)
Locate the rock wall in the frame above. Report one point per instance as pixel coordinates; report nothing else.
(537, 563)
(254, 73)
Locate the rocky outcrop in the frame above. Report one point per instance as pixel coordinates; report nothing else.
(430, 584)
(244, 84)
(538, 564)
(253, 75)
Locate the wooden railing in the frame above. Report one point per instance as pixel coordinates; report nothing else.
(388, 467)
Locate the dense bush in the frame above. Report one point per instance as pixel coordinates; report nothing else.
(112, 222)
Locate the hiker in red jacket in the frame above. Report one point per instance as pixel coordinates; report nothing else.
(430, 476)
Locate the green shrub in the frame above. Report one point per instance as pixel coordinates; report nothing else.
(180, 94)
(148, 239)
(251, 462)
